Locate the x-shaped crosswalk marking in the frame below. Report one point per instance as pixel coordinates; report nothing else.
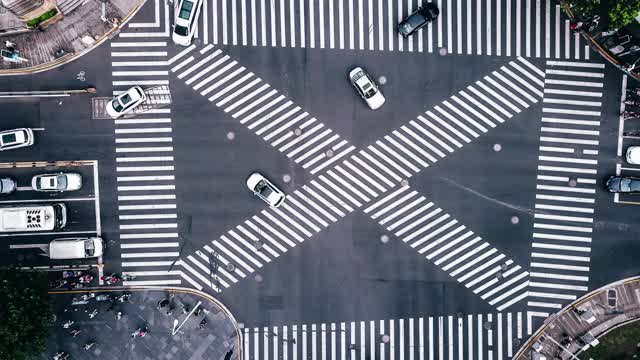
(373, 171)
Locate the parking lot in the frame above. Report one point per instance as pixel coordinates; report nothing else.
(628, 135)
(83, 211)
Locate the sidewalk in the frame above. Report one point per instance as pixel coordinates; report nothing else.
(577, 327)
(220, 339)
(620, 48)
(77, 33)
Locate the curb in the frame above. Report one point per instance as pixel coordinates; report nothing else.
(70, 57)
(184, 290)
(534, 337)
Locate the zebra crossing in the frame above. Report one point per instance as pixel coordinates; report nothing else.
(353, 182)
(471, 336)
(566, 183)
(440, 238)
(489, 27)
(262, 109)
(147, 216)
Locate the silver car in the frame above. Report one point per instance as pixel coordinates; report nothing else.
(57, 182)
(16, 138)
(7, 185)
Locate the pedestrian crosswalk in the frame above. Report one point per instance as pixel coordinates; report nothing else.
(441, 239)
(344, 181)
(488, 27)
(262, 109)
(566, 183)
(462, 336)
(147, 211)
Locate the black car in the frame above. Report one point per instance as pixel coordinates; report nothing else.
(418, 19)
(619, 184)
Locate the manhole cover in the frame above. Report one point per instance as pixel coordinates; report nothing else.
(297, 132)
(515, 219)
(443, 51)
(230, 267)
(497, 147)
(382, 80)
(286, 178)
(404, 182)
(231, 135)
(384, 239)
(329, 153)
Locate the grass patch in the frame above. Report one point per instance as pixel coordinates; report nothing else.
(42, 18)
(621, 343)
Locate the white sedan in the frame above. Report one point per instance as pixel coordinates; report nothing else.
(16, 138)
(366, 88)
(126, 102)
(57, 182)
(633, 155)
(265, 190)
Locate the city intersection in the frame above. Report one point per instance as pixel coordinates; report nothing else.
(447, 224)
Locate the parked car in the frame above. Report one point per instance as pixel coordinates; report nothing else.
(7, 185)
(265, 190)
(57, 182)
(418, 19)
(633, 155)
(186, 18)
(125, 102)
(620, 184)
(16, 138)
(366, 88)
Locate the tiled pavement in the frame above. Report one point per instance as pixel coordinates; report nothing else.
(113, 337)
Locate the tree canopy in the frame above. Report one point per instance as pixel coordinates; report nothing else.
(24, 314)
(621, 12)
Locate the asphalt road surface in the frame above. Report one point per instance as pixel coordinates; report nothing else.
(449, 222)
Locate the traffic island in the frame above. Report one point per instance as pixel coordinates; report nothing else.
(584, 327)
(63, 34)
(141, 323)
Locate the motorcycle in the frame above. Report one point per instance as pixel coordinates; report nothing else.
(111, 279)
(85, 279)
(104, 297)
(69, 274)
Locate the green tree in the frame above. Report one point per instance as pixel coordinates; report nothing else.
(622, 12)
(24, 314)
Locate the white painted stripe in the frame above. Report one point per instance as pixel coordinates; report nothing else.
(563, 227)
(145, 149)
(573, 83)
(147, 216)
(561, 247)
(575, 73)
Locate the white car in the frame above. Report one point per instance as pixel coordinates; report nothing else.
(633, 155)
(16, 138)
(366, 88)
(126, 101)
(186, 15)
(265, 190)
(57, 182)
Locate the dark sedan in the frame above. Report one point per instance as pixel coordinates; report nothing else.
(418, 19)
(619, 184)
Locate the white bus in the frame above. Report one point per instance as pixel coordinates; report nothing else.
(19, 218)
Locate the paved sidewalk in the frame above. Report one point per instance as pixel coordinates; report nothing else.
(577, 327)
(77, 33)
(219, 340)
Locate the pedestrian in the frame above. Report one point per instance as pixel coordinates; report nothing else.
(74, 332)
(576, 25)
(227, 356)
(67, 324)
(163, 303)
(11, 46)
(119, 315)
(88, 346)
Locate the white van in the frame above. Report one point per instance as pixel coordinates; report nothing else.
(33, 217)
(75, 248)
(186, 15)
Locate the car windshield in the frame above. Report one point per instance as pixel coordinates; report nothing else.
(185, 10)
(416, 20)
(89, 249)
(62, 181)
(181, 30)
(9, 138)
(263, 189)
